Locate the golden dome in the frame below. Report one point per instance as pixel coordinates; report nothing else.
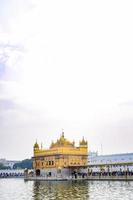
(62, 141)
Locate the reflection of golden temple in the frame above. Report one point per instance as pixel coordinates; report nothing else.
(62, 157)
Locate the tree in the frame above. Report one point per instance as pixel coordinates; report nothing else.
(27, 163)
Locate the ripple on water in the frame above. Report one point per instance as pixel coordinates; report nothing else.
(18, 189)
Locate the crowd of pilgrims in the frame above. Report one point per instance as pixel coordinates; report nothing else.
(112, 173)
(11, 174)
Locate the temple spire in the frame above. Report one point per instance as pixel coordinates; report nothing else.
(62, 132)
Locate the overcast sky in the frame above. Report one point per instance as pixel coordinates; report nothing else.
(66, 64)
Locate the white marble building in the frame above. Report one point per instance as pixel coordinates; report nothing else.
(8, 163)
(113, 162)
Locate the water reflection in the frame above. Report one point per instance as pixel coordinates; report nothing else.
(18, 189)
(60, 190)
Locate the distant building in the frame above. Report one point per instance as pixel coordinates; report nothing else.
(63, 158)
(113, 162)
(2, 160)
(8, 163)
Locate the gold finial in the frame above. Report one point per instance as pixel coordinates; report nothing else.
(52, 144)
(83, 142)
(63, 133)
(36, 146)
(73, 143)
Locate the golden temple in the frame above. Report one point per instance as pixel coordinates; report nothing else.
(63, 157)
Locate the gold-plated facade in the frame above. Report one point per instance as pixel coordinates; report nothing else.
(61, 154)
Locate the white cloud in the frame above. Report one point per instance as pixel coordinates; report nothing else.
(72, 67)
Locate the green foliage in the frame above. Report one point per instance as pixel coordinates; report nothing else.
(27, 163)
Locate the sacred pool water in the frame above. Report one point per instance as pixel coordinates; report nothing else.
(18, 189)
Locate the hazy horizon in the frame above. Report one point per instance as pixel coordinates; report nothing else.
(66, 65)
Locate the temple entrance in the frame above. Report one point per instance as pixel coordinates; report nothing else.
(38, 172)
(49, 174)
